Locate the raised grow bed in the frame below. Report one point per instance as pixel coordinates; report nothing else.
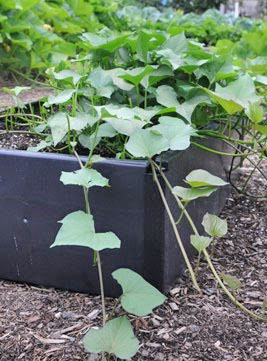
(180, 91)
(33, 200)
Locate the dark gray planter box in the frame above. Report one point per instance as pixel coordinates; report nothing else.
(33, 200)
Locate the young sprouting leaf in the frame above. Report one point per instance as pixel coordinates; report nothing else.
(78, 230)
(139, 297)
(255, 112)
(60, 98)
(145, 144)
(214, 226)
(115, 338)
(188, 194)
(232, 281)
(17, 90)
(202, 178)
(176, 131)
(200, 243)
(84, 177)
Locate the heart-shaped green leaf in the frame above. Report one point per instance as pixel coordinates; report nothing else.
(255, 112)
(139, 297)
(214, 226)
(156, 75)
(65, 74)
(202, 178)
(170, 58)
(188, 194)
(142, 46)
(84, 177)
(237, 95)
(61, 97)
(135, 75)
(145, 144)
(115, 338)
(176, 131)
(125, 126)
(178, 43)
(101, 80)
(78, 230)
(167, 96)
(59, 124)
(199, 242)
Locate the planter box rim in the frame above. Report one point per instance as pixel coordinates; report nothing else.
(142, 163)
(68, 157)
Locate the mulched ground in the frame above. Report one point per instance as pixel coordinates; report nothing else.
(46, 324)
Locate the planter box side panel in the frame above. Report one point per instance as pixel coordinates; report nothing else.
(33, 200)
(154, 229)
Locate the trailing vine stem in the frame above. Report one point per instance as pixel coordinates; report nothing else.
(179, 241)
(208, 259)
(97, 253)
(222, 153)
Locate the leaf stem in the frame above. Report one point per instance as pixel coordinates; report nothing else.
(216, 276)
(97, 253)
(101, 287)
(179, 241)
(222, 153)
(226, 291)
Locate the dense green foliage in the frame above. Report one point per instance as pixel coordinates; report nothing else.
(208, 28)
(196, 6)
(150, 81)
(35, 35)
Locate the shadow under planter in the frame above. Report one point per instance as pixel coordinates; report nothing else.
(33, 200)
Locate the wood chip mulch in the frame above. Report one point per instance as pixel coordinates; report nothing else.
(46, 324)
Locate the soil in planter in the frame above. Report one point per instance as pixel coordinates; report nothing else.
(43, 324)
(18, 141)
